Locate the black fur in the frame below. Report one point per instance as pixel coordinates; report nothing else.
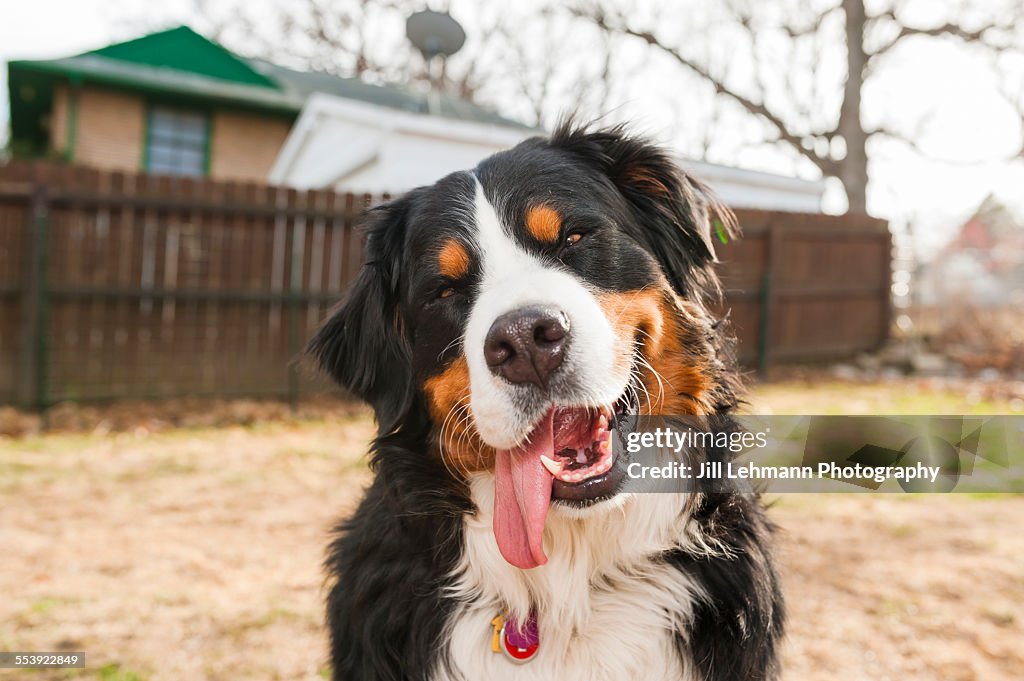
(362, 345)
(390, 562)
(737, 629)
(389, 565)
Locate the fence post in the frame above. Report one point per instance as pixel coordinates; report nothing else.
(34, 352)
(773, 250)
(887, 295)
(297, 226)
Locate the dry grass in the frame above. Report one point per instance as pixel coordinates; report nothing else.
(195, 554)
(889, 587)
(823, 394)
(156, 416)
(180, 555)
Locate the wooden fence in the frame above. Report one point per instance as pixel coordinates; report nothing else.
(804, 288)
(131, 286)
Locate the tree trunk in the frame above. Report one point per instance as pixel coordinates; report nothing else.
(853, 170)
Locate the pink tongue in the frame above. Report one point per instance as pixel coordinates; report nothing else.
(522, 494)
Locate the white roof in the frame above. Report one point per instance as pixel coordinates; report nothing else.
(741, 188)
(357, 146)
(362, 147)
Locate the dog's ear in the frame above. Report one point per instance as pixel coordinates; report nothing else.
(363, 344)
(676, 217)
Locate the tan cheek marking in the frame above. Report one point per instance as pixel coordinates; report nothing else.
(448, 402)
(634, 315)
(453, 260)
(686, 360)
(544, 223)
(673, 343)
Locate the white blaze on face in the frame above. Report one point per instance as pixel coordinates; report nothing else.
(511, 279)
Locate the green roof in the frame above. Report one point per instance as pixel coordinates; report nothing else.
(182, 49)
(180, 64)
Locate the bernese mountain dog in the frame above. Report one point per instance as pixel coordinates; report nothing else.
(505, 317)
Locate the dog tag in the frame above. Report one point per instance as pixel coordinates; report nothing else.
(520, 644)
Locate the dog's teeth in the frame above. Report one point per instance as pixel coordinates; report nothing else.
(554, 467)
(602, 422)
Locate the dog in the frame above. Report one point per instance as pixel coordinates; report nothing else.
(503, 319)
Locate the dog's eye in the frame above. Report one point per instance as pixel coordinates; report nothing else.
(446, 292)
(573, 238)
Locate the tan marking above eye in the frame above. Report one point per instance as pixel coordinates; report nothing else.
(453, 260)
(544, 223)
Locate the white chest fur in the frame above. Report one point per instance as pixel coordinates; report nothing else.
(607, 607)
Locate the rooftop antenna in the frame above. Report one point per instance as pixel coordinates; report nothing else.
(437, 36)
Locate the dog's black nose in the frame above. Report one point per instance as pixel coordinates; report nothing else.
(527, 345)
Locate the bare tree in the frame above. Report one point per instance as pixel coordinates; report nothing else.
(793, 90)
(516, 58)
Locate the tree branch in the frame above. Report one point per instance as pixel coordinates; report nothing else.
(785, 134)
(1015, 99)
(813, 27)
(981, 35)
(910, 141)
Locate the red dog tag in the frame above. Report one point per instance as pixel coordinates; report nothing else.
(520, 644)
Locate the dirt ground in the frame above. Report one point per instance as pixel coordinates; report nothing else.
(194, 553)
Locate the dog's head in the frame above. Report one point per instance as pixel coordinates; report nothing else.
(516, 308)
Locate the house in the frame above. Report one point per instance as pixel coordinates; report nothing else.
(983, 264)
(177, 103)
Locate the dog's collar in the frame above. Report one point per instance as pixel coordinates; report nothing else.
(519, 642)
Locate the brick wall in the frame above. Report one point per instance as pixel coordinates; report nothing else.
(244, 146)
(110, 129)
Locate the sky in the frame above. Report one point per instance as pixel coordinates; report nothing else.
(966, 126)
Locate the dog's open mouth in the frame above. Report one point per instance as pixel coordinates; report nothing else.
(569, 457)
(584, 456)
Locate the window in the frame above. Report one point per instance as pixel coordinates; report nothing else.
(177, 142)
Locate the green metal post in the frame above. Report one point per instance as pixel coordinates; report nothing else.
(71, 124)
(208, 145)
(145, 138)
